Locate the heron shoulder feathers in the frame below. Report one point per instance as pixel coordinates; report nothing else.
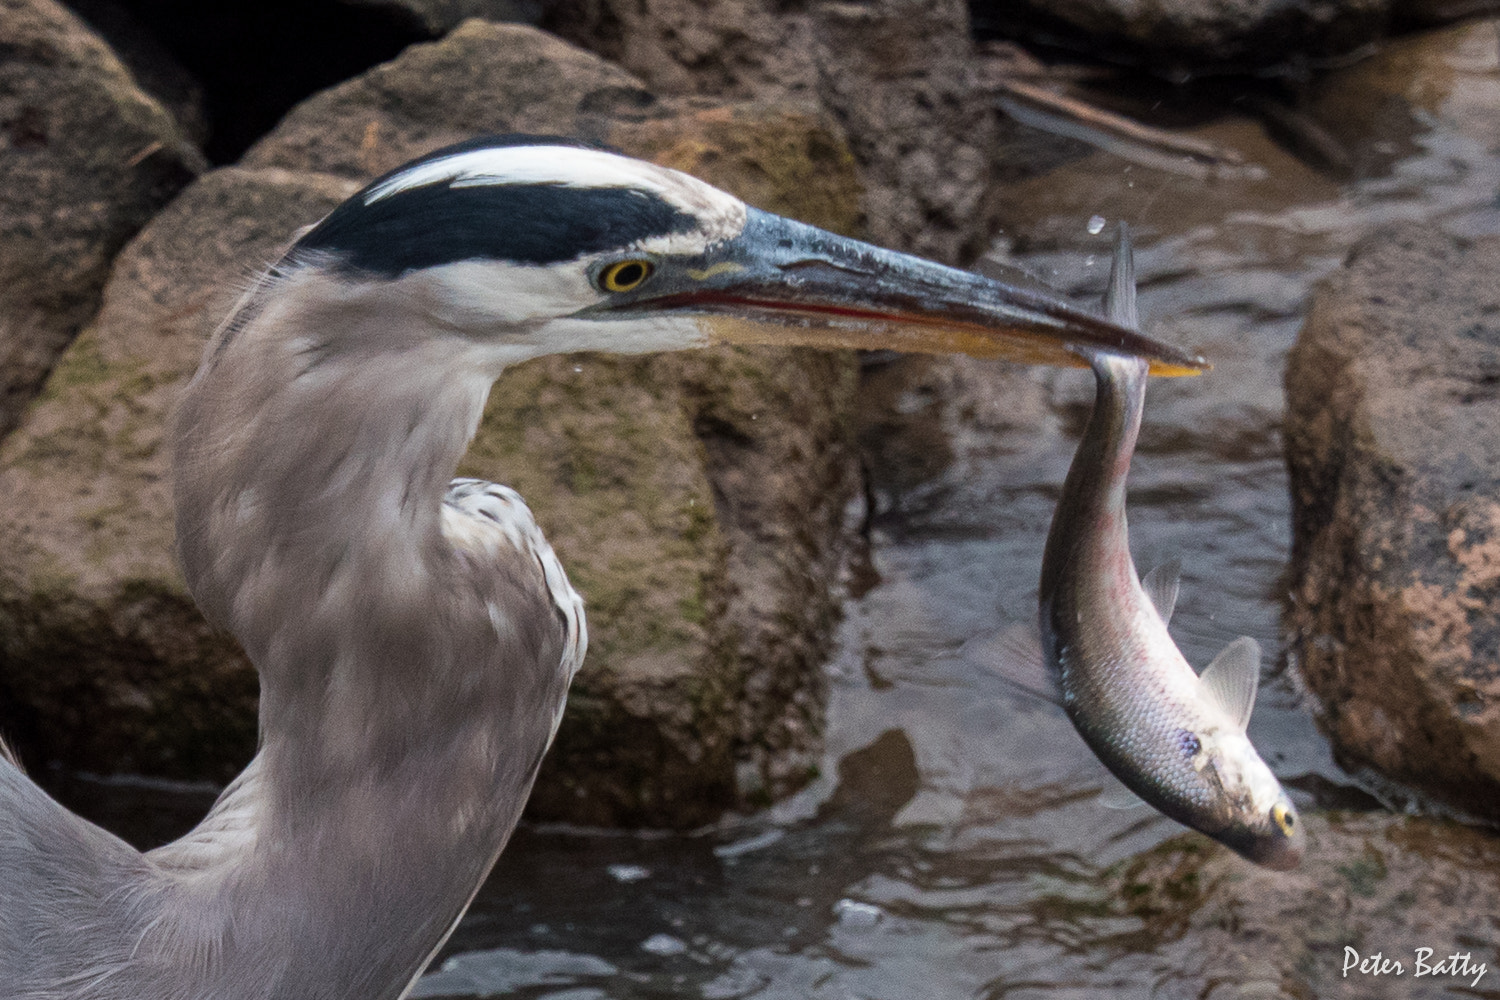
(493, 525)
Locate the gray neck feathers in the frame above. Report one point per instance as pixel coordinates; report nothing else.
(312, 454)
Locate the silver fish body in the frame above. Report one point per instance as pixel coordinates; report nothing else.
(1172, 737)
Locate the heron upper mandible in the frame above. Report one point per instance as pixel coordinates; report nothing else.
(415, 636)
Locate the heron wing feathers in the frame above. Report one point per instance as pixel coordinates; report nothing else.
(488, 521)
(69, 888)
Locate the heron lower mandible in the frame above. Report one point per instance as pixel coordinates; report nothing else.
(415, 637)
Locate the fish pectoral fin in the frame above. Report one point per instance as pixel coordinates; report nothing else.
(1117, 796)
(1230, 681)
(1015, 654)
(1161, 586)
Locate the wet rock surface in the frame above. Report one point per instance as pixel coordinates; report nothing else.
(1393, 442)
(87, 157)
(698, 502)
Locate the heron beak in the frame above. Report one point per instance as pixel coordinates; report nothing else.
(784, 282)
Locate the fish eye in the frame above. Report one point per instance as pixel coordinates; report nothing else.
(1284, 818)
(624, 275)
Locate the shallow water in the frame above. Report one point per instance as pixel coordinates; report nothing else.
(957, 846)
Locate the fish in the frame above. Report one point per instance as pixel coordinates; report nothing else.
(1175, 738)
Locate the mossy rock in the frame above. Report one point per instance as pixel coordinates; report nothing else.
(696, 499)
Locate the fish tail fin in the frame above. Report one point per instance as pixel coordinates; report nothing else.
(1119, 298)
(1120, 307)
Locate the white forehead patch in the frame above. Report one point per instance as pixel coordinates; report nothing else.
(722, 215)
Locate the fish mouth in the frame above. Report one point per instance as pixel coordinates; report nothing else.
(1284, 857)
(1269, 849)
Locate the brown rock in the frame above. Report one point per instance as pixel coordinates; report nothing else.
(1193, 36)
(741, 48)
(696, 499)
(108, 665)
(1370, 882)
(897, 75)
(1393, 442)
(152, 65)
(900, 77)
(87, 157)
(482, 78)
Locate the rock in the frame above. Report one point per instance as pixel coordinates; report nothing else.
(740, 48)
(87, 157)
(897, 75)
(482, 78)
(438, 17)
(108, 665)
(1393, 444)
(1370, 883)
(1188, 37)
(151, 63)
(697, 500)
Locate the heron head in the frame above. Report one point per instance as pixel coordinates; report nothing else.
(536, 245)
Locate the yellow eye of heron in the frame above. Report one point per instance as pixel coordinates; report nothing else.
(625, 275)
(1281, 815)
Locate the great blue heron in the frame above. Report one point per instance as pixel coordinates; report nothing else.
(415, 637)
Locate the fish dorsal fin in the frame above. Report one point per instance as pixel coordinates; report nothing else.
(1161, 586)
(1016, 655)
(1230, 681)
(1119, 297)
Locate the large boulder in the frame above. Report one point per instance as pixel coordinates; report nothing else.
(87, 158)
(1372, 887)
(107, 664)
(1192, 36)
(1393, 443)
(484, 77)
(696, 499)
(899, 76)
